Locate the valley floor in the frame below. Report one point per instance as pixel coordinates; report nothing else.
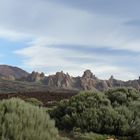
(47, 98)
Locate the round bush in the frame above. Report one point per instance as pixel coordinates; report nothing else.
(117, 112)
(22, 121)
(122, 96)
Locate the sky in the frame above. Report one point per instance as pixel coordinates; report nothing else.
(72, 35)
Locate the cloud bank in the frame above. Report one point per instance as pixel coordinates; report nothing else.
(75, 35)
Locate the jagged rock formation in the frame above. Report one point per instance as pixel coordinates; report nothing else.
(133, 83)
(60, 80)
(88, 81)
(88, 74)
(112, 82)
(35, 77)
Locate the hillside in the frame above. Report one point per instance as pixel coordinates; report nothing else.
(16, 78)
(10, 72)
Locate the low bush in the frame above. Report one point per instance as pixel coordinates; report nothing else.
(88, 136)
(22, 121)
(115, 112)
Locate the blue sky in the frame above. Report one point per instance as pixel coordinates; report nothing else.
(72, 35)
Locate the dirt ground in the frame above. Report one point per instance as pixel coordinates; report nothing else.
(45, 97)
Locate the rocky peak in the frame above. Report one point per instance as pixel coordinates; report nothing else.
(88, 74)
(35, 77)
(60, 80)
(61, 76)
(88, 80)
(111, 78)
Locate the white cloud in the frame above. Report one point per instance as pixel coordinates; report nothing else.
(67, 25)
(48, 23)
(41, 57)
(13, 35)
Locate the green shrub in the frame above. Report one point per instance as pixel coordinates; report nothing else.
(115, 112)
(89, 136)
(22, 121)
(122, 96)
(34, 101)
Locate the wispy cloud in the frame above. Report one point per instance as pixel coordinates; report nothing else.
(39, 55)
(75, 35)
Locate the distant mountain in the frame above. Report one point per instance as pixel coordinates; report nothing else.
(88, 81)
(60, 80)
(11, 73)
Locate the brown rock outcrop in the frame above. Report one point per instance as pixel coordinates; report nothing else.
(59, 80)
(35, 77)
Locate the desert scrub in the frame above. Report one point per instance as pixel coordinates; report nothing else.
(115, 112)
(89, 136)
(22, 121)
(34, 101)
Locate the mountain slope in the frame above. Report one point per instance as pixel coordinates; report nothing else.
(12, 72)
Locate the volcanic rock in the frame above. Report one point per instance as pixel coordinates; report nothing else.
(35, 77)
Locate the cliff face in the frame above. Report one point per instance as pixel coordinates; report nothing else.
(59, 80)
(86, 82)
(35, 77)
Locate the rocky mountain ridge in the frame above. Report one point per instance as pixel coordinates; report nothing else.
(88, 81)
(60, 80)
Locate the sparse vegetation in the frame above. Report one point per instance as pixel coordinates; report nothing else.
(34, 101)
(88, 136)
(86, 116)
(117, 112)
(22, 121)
